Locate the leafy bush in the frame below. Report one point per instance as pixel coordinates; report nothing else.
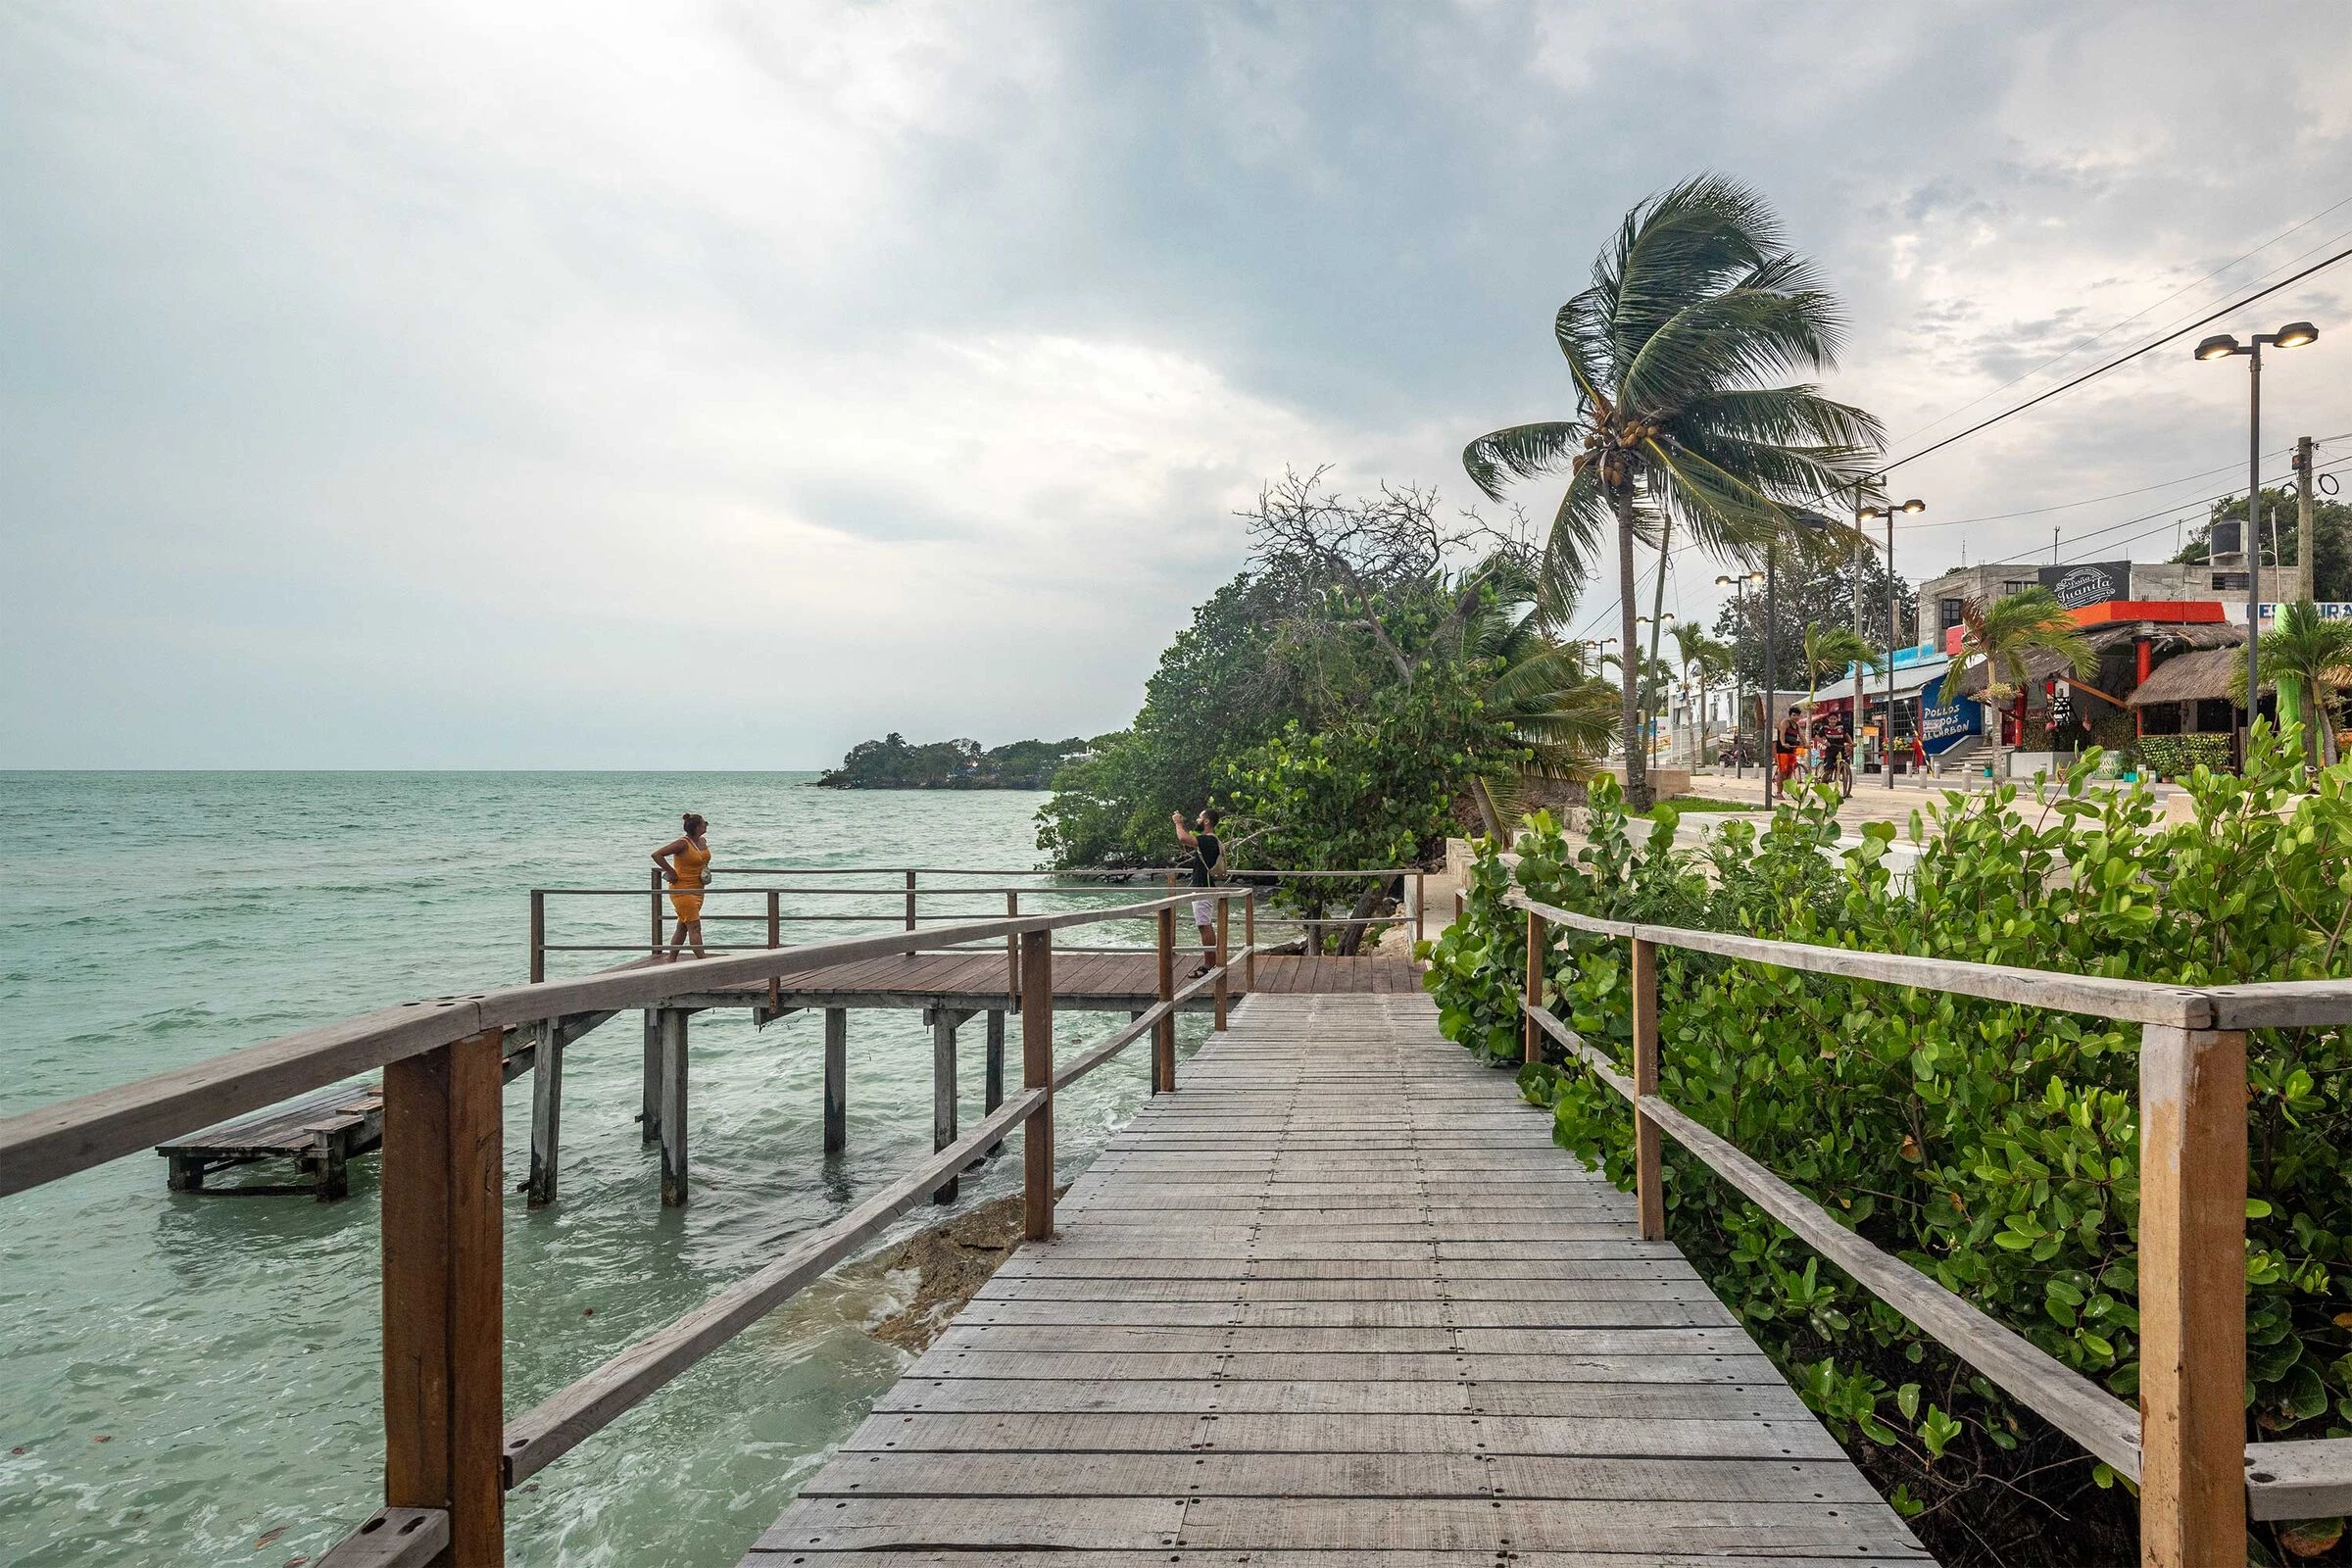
(1992, 1146)
(2178, 755)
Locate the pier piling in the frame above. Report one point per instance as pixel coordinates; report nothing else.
(547, 1114)
(837, 1079)
(673, 1106)
(994, 1070)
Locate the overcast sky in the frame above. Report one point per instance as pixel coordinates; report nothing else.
(714, 385)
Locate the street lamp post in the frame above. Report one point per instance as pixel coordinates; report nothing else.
(2223, 346)
(1739, 588)
(1894, 586)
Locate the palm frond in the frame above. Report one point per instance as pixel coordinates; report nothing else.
(1522, 451)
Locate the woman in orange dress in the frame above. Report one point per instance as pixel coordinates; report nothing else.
(685, 863)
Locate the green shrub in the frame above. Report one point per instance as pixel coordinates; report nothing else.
(2178, 755)
(1995, 1146)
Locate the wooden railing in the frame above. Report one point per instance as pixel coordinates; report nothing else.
(2184, 1445)
(450, 1454)
(782, 898)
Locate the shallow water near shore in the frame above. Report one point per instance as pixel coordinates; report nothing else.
(195, 1379)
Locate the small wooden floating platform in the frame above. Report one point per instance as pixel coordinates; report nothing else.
(1300, 1318)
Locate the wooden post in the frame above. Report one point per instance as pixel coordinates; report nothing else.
(547, 1115)
(1420, 908)
(2192, 1298)
(911, 904)
(673, 1107)
(538, 935)
(1037, 1072)
(1459, 907)
(775, 939)
(648, 1099)
(943, 1093)
(1224, 946)
(1164, 1033)
(444, 1282)
(1250, 941)
(993, 1090)
(654, 878)
(1648, 1196)
(1532, 1042)
(837, 1079)
(1012, 954)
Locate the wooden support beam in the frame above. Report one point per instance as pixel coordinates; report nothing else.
(1250, 941)
(993, 1088)
(775, 939)
(673, 1106)
(648, 1098)
(1163, 1038)
(1012, 954)
(444, 1281)
(538, 935)
(2192, 1298)
(910, 902)
(837, 1079)
(1532, 1044)
(1037, 1072)
(546, 1114)
(942, 1090)
(1224, 946)
(1648, 1196)
(654, 880)
(1420, 907)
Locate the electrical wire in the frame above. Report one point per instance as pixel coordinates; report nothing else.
(2119, 362)
(2126, 320)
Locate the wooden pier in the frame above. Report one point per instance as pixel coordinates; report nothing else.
(1294, 1310)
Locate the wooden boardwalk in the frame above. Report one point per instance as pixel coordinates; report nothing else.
(1340, 1299)
(1095, 982)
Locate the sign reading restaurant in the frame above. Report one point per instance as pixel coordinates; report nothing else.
(2091, 582)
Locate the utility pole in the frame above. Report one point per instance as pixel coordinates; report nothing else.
(2305, 559)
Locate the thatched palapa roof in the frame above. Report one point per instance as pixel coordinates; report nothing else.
(2191, 677)
(2195, 636)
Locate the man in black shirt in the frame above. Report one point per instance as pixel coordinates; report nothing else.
(1201, 851)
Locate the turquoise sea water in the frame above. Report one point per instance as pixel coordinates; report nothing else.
(193, 1379)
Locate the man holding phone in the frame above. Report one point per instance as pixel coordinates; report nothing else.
(1202, 852)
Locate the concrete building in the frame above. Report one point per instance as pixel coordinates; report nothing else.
(2082, 583)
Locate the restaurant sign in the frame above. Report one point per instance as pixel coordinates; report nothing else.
(2089, 582)
(1947, 724)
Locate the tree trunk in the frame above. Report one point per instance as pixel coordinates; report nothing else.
(1993, 734)
(1487, 813)
(1366, 906)
(1629, 669)
(1657, 625)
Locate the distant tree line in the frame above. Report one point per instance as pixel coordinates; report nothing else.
(894, 763)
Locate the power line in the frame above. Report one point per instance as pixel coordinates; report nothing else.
(2119, 362)
(2126, 320)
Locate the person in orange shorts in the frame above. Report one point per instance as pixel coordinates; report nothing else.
(1787, 746)
(685, 863)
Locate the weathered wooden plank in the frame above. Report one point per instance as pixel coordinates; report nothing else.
(1354, 1474)
(1752, 1401)
(1795, 1436)
(1015, 1558)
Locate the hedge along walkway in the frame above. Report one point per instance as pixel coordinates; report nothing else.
(1341, 1296)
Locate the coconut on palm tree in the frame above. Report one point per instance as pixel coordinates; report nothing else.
(1693, 309)
(2003, 633)
(2307, 662)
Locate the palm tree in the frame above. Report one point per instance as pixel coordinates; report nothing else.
(2002, 633)
(1831, 651)
(1693, 306)
(1703, 659)
(2307, 662)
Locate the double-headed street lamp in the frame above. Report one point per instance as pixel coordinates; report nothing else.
(2222, 346)
(1739, 588)
(1894, 588)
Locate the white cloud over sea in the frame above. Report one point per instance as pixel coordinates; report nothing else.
(713, 385)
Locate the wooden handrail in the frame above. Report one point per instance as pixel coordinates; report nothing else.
(52, 1142)
(2184, 1445)
(558, 1423)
